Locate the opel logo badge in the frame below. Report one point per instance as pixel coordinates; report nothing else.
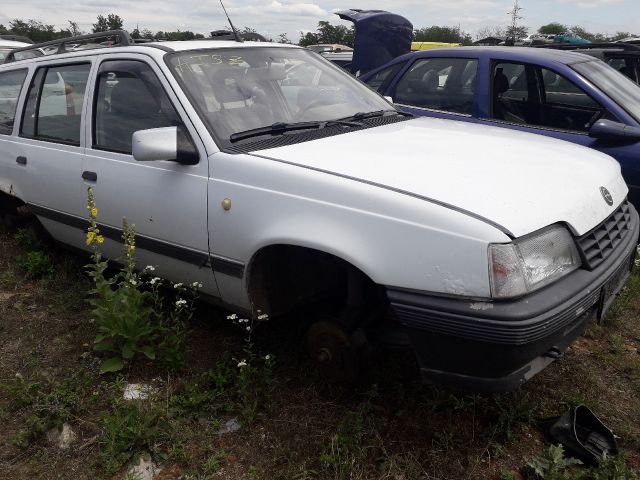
(606, 195)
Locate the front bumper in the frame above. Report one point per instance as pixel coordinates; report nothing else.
(497, 346)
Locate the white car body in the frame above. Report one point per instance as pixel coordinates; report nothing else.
(414, 206)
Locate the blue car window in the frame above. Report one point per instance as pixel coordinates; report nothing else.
(566, 107)
(511, 87)
(531, 95)
(444, 84)
(381, 80)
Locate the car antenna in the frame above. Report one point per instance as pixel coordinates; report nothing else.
(235, 32)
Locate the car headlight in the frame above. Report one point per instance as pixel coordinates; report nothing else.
(527, 264)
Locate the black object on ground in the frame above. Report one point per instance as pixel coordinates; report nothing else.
(582, 434)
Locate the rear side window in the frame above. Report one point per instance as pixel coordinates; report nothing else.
(445, 84)
(54, 105)
(129, 97)
(10, 88)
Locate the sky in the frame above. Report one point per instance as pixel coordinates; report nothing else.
(271, 17)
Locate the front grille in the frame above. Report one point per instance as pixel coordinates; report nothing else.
(598, 244)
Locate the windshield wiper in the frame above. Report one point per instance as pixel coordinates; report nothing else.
(280, 128)
(374, 114)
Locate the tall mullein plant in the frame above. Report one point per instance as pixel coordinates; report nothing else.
(121, 308)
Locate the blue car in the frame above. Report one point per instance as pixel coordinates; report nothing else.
(559, 94)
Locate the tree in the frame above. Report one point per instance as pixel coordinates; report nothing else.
(110, 22)
(444, 34)
(35, 30)
(74, 29)
(617, 36)
(327, 33)
(517, 33)
(553, 28)
(495, 32)
(282, 38)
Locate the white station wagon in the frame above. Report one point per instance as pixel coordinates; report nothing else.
(279, 181)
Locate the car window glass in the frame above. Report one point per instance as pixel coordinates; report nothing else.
(566, 106)
(540, 97)
(59, 100)
(129, 97)
(445, 84)
(624, 66)
(241, 89)
(10, 87)
(380, 80)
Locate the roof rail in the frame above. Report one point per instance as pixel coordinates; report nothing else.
(122, 38)
(585, 46)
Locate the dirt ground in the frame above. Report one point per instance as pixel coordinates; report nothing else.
(296, 426)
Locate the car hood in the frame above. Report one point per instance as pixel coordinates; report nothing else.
(520, 182)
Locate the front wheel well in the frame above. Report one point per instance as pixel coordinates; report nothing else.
(282, 278)
(9, 204)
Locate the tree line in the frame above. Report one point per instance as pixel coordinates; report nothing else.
(325, 32)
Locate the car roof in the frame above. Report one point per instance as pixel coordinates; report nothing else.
(184, 45)
(12, 44)
(523, 54)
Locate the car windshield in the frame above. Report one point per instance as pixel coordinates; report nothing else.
(241, 89)
(614, 84)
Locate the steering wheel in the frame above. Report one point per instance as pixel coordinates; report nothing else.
(314, 104)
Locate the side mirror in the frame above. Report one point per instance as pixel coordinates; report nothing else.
(167, 143)
(610, 130)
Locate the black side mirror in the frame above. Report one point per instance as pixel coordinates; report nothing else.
(614, 131)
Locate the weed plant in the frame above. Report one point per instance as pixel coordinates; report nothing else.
(132, 315)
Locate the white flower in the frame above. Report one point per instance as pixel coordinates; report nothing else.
(264, 316)
(181, 303)
(232, 317)
(133, 282)
(177, 285)
(242, 363)
(154, 280)
(268, 357)
(248, 329)
(149, 268)
(196, 285)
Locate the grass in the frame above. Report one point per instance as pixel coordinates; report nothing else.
(293, 425)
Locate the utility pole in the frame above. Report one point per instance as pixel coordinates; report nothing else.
(515, 16)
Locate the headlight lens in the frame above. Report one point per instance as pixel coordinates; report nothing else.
(524, 266)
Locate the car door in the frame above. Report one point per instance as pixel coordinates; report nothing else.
(542, 100)
(440, 87)
(51, 148)
(165, 200)
(11, 173)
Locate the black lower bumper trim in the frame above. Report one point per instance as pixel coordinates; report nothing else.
(496, 346)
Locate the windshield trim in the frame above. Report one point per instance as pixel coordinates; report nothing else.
(224, 143)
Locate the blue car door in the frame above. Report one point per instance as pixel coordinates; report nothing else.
(555, 103)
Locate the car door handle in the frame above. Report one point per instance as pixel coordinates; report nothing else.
(21, 160)
(90, 176)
